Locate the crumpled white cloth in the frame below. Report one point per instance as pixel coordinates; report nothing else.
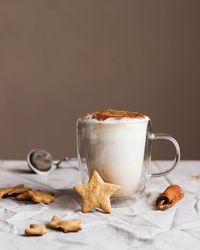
(135, 226)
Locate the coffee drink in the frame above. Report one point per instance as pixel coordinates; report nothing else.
(114, 146)
(118, 145)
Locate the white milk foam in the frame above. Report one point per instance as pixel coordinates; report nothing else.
(115, 148)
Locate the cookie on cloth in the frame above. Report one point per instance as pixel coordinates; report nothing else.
(65, 225)
(36, 196)
(36, 230)
(10, 190)
(96, 193)
(19, 190)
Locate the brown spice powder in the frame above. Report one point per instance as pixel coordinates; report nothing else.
(114, 113)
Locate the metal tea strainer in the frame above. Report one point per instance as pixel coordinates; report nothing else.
(41, 162)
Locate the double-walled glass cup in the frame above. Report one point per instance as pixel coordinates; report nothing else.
(120, 151)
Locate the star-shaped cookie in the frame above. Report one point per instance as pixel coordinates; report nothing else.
(96, 193)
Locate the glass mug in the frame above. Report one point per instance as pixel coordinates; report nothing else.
(120, 151)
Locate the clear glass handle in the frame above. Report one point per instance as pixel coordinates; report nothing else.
(161, 136)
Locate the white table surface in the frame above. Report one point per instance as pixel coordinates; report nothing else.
(138, 226)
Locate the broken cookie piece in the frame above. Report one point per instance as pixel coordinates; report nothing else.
(65, 225)
(36, 230)
(36, 196)
(9, 190)
(19, 190)
(54, 221)
(169, 197)
(43, 197)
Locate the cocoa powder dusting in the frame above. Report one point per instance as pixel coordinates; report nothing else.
(114, 113)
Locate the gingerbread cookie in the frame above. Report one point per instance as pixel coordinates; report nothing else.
(9, 190)
(36, 230)
(96, 193)
(36, 196)
(19, 190)
(65, 225)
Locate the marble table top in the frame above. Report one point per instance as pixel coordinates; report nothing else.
(135, 226)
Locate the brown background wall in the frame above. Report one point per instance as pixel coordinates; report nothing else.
(60, 59)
